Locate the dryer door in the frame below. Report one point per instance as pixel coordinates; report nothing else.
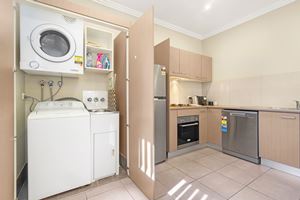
(53, 43)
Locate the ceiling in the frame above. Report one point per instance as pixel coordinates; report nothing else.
(198, 18)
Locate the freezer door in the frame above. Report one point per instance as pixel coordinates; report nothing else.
(242, 134)
(160, 130)
(159, 81)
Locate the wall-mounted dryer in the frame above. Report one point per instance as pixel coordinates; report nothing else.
(51, 43)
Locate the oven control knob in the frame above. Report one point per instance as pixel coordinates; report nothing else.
(96, 99)
(34, 64)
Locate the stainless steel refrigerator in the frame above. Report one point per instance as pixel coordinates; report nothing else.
(160, 113)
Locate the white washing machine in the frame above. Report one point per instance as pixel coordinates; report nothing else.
(59, 148)
(50, 43)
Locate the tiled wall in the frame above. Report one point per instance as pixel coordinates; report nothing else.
(279, 90)
(180, 90)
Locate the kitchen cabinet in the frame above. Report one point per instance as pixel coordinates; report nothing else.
(203, 126)
(185, 63)
(206, 69)
(172, 136)
(214, 135)
(174, 61)
(279, 137)
(182, 63)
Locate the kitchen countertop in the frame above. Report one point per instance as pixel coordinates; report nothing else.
(253, 108)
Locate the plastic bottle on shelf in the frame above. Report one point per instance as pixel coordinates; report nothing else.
(98, 61)
(89, 60)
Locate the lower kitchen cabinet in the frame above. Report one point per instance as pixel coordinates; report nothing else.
(279, 137)
(214, 135)
(203, 126)
(172, 136)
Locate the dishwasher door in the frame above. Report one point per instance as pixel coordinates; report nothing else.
(240, 137)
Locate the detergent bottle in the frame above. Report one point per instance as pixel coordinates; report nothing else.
(98, 61)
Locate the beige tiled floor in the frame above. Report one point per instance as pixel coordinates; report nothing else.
(208, 174)
(201, 175)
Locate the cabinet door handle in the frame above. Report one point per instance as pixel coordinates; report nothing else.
(113, 152)
(288, 117)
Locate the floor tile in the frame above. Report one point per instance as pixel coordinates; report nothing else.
(278, 185)
(227, 159)
(177, 160)
(173, 178)
(212, 163)
(193, 169)
(159, 190)
(115, 194)
(126, 181)
(135, 192)
(249, 194)
(103, 188)
(80, 196)
(195, 155)
(195, 190)
(166, 197)
(208, 151)
(221, 184)
(162, 167)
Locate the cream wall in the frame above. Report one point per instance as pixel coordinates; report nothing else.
(180, 90)
(257, 63)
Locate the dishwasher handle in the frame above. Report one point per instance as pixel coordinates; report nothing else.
(238, 114)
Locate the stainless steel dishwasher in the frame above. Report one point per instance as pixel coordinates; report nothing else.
(240, 134)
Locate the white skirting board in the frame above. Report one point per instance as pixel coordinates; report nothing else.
(281, 167)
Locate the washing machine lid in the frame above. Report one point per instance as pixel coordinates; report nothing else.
(58, 109)
(53, 43)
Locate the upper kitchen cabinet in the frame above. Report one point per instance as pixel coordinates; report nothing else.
(206, 69)
(185, 61)
(182, 63)
(174, 61)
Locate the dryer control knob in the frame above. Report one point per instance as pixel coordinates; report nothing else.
(34, 64)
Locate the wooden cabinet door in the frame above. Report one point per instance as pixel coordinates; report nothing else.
(196, 66)
(172, 136)
(174, 61)
(141, 105)
(185, 62)
(7, 101)
(120, 71)
(279, 137)
(206, 67)
(203, 126)
(214, 135)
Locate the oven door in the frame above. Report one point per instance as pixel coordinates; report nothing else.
(188, 133)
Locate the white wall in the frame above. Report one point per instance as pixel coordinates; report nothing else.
(257, 63)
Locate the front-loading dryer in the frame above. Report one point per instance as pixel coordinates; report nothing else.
(51, 43)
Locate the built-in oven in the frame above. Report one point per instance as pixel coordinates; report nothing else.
(187, 131)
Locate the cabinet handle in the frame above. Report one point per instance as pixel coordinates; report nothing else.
(288, 117)
(113, 152)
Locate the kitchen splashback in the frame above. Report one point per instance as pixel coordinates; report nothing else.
(279, 90)
(181, 89)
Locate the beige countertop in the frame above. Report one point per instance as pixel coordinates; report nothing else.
(254, 108)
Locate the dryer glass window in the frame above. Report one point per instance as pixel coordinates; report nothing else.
(55, 44)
